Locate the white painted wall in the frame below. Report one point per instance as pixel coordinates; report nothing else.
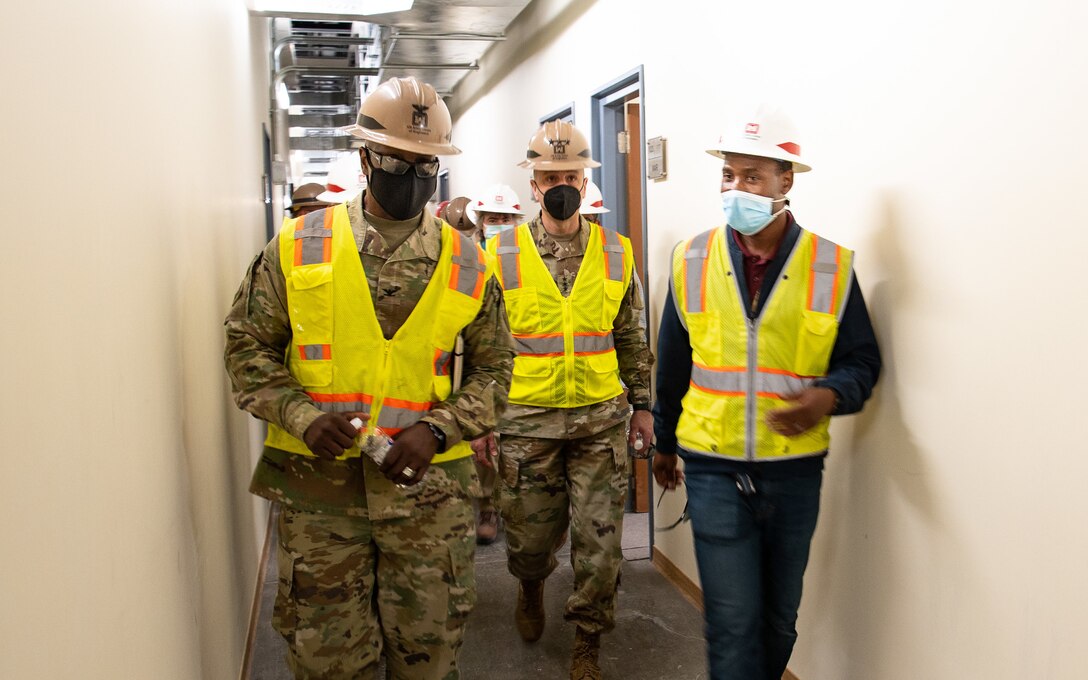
(131, 185)
(947, 140)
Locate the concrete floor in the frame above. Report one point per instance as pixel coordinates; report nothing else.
(658, 633)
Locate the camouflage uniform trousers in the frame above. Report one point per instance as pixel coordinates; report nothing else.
(350, 586)
(550, 484)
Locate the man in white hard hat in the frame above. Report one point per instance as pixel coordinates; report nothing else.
(353, 312)
(764, 336)
(497, 209)
(345, 180)
(563, 457)
(593, 204)
(493, 211)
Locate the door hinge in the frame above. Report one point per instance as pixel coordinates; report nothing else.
(623, 141)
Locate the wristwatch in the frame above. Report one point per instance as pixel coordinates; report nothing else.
(439, 435)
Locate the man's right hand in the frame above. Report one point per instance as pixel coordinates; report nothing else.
(666, 472)
(330, 435)
(485, 449)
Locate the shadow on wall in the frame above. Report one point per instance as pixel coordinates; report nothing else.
(883, 525)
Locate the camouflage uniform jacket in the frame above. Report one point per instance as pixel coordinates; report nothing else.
(563, 259)
(258, 333)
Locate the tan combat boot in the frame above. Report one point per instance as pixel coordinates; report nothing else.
(529, 616)
(487, 527)
(583, 658)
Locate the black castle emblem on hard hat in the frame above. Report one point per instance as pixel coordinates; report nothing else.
(559, 146)
(419, 115)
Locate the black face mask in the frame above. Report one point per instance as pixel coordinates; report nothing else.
(562, 201)
(402, 196)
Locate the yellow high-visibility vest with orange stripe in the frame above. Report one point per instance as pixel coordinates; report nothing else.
(742, 368)
(566, 356)
(338, 352)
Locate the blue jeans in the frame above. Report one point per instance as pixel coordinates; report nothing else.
(752, 551)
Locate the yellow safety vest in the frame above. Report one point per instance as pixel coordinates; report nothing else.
(338, 352)
(566, 356)
(742, 368)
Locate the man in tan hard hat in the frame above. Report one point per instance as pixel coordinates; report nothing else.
(353, 313)
(304, 200)
(764, 336)
(563, 455)
(455, 215)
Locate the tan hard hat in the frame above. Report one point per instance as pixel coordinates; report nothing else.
(558, 145)
(454, 214)
(406, 114)
(307, 195)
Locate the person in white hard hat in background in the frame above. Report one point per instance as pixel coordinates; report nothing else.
(593, 204)
(497, 209)
(304, 200)
(563, 452)
(345, 180)
(354, 312)
(456, 215)
(764, 336)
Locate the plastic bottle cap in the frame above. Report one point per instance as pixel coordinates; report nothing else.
(357, 423)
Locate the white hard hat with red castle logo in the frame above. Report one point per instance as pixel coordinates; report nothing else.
(593, 203)
(497, 198)
(767, 133)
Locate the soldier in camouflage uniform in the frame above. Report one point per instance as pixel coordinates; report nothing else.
(371, 558)
(563, 459)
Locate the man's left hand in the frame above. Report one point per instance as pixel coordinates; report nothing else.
(642, 422)
(412, 452)
(807, 408)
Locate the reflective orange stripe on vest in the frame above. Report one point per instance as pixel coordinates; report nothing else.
(313, 238)
(551, 344)
(733, 381)
(467, 275)
(509, 262)
(695, 271)
(396, 414)
(613, 254)
(823, 280)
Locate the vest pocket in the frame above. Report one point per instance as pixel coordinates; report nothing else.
(815, 342)
(533, 367)
(309, 302)
(705, 330)
(523, 310)
(313, 373)
(613, 297)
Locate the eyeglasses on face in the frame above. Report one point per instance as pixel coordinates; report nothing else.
(398, 166)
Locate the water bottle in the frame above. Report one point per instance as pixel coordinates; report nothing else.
(376, 445)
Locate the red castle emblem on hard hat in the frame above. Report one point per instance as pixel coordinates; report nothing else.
(498, 198)
(751, 129)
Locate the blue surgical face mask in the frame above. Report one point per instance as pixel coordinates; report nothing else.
(495, 229)
(748, 213)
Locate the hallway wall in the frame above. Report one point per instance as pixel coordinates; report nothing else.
(947, 143)
(131, 181)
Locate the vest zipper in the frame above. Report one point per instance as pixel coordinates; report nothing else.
(568, 348)
(750, 401)
(383, 378)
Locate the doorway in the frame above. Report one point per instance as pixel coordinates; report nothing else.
(617, 142)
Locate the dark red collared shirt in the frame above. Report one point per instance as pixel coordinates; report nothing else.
(755, 267)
